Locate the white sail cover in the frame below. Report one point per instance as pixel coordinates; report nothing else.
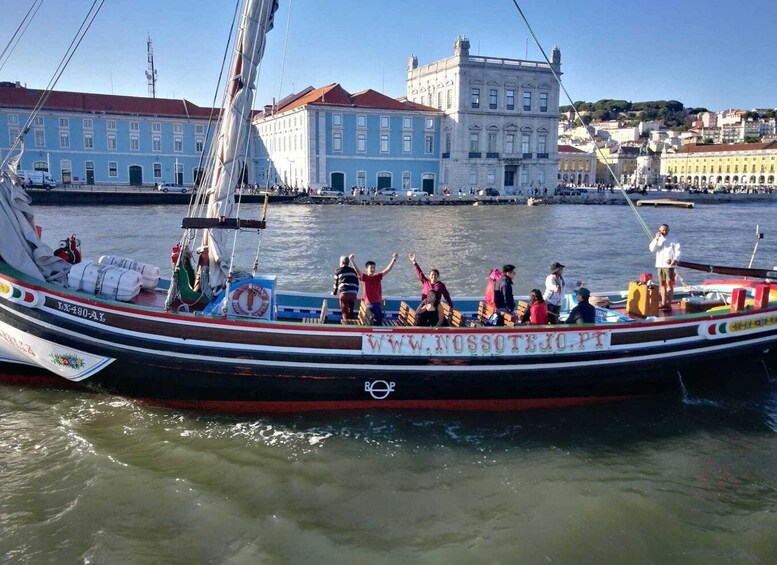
(235, 129)
(20, 245)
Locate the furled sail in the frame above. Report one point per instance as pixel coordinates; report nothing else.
(235, 130)
(20, 245)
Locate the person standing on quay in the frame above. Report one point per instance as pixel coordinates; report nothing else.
(347, 287)
(667, 250)
(372, 293)
(432, 282)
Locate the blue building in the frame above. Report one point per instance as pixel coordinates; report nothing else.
(329, 137)
(99, 139)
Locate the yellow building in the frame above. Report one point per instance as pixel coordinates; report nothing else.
(576, 167)
(747, 165)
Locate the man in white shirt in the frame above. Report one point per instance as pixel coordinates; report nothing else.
(667, 250)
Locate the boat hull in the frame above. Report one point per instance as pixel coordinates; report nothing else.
(201, 362)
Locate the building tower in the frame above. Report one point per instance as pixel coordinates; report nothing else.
(151, 71)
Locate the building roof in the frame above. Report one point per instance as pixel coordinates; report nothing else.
(26, 99)
(733, 147)
(569, 149)
(335, 95)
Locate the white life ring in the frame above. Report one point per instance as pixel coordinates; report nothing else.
(250, 300)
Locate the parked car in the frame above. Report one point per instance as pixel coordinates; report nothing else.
(329, 191)
(171, 187)
(416, 193)
(566, 191)
(387, 191)
(491, 192)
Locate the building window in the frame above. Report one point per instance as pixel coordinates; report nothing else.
(64, 122)
(475, 98)
(407, 123)
(134, 142)
(110, 125)
(384, 122)
(40, 138)
(199, 145)
(474, 142)
(439, 99)
(405, 180)
(156, 143)
(542, 144)
(178, 128)
(111, 141)
(490, 177)
(407, 143)
(113, 169)
(156, 127)
(64, 140)
(543, 101)
(510, 100)
(361, 142)
(337, 141)
(39, 121)
(88, 140)
(134, 126)
(527, 101)
(447, 143)
(361, 121)
(178, 145)
(449, 98)
(492, 142)
(40, 166)
(525, 140)
(13, 119)
(87, 123)
(199, 129)
(524, 177)
(157, 170)
(429, 144)
(429, 123)
(384, 143)
(361, 179)
(541, 178)
(492, 98)
(473, 177)
(510, 143)
(337, 119)
(13, 133)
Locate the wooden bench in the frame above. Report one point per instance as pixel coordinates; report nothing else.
(321, 317)
(405, 312)
(454, 318)
(485, 312)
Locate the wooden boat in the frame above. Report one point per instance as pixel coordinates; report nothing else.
(251, 348)
(665, 203)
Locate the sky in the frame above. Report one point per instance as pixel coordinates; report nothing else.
(715, 54)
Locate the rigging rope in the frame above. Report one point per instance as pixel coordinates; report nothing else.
(642, 223)
(26, 21)
(74, 44)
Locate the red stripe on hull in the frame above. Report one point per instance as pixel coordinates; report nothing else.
(489, 405)
(37, 380)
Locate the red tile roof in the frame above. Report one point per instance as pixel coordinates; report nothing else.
(733, 147)
(27, 98)
(335, 95)
(569, 149)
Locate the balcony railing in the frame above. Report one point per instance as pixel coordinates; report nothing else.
(542, 155)
(527, 155)
(446, 155)
(491, 155)
(475, 154)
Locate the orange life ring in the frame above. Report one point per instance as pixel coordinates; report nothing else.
(250, 300)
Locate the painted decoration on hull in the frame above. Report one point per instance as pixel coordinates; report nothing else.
(486, 344)
(69, 363)
(754, 324)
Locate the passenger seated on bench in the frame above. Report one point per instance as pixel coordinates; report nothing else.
(537, 312)
(584, 312)
(430, 313)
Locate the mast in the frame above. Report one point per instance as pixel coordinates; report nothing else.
(151, 72)
(234, 132)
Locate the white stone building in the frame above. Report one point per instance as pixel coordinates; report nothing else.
(500, 123)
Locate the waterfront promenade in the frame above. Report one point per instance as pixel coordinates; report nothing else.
(124, 195)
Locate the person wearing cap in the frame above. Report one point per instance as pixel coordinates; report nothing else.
(583, 313)
(347, 287)
(503, 291)
(554, 292)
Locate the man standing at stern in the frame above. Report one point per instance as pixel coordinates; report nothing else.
(667, 250)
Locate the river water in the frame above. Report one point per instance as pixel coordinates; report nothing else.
(685, 478)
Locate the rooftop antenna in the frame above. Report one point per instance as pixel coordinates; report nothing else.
(151, 71)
